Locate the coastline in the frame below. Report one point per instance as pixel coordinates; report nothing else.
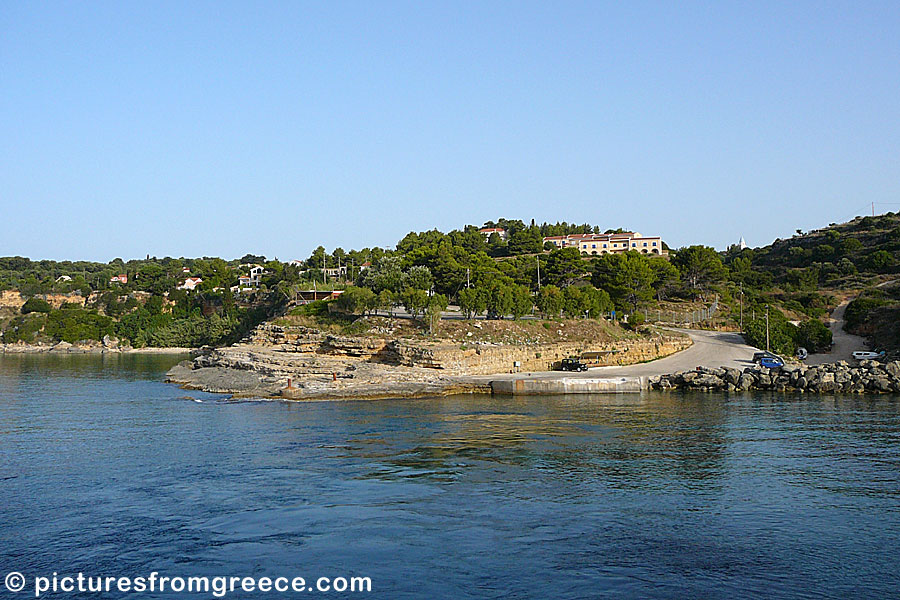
(356, 368)
(64, 348)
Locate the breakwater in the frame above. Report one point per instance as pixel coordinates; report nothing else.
(867, 377)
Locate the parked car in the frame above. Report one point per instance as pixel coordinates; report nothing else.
(572, 364)
(764, 354)
(770, 362)
(867, 355)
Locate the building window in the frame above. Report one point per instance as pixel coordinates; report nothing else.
(654, 243)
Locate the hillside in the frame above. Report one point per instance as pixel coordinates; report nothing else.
(810, 273)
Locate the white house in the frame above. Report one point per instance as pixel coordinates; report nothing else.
(487, 231)
(190, 283)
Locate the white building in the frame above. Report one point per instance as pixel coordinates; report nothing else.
(190, 283)
(488, 231)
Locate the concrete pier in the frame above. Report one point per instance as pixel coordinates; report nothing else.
(569, 385)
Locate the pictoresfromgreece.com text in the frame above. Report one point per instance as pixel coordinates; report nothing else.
(218, 586)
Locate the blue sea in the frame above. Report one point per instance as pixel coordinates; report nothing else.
(105, 470)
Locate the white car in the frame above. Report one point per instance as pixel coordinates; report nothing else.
(867, 355)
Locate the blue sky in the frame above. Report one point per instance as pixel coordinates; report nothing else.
(220, 128)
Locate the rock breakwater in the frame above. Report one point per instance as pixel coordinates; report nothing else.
(867, 377)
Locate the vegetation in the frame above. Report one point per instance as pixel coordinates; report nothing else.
(505, 278)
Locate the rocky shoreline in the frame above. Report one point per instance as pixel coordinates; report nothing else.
(869, 377)
(105, 347)
(299, 363)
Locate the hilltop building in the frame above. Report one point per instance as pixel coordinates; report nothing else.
(487, 231)
(594, 244)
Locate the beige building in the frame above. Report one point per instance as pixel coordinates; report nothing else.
(595, 244)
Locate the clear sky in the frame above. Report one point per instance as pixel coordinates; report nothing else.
(220, 128)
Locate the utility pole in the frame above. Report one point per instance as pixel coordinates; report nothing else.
(873, 209)
(742, 306)
(467, 278)
(538, 258)
(767, 327)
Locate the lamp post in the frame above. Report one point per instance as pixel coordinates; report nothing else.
(767, 327)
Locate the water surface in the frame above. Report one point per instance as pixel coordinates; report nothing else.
(104, 469)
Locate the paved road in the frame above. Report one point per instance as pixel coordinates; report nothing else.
(710, 349)
(844, 343)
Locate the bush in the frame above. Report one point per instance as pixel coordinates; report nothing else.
(857, 312)
(36, 305)
(814, 336)
(316, 308)
(636, 320)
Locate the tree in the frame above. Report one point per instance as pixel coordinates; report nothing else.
(356, 300)
(472, 301)
(436, 304)
(386, 274)
(522, 301)
(627, 278)
(415, 301)
(528, 241)
(417, 277)
(665, 275)
(386, 300)
(549, 301)
(699, 266)
(564, 267)
(500, 299)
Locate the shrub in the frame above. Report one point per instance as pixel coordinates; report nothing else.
(36, 305)
(814, 336)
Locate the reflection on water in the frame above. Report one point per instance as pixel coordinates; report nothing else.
(654, 496)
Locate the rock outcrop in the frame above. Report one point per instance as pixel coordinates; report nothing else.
(304, 363)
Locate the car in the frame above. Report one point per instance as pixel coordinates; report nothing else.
(867, 355)
(572, 364)
(765, 354)
(771, 363)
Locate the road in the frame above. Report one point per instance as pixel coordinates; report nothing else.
(844, 343)
(710, 349)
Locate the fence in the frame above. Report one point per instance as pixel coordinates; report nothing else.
(684, 318)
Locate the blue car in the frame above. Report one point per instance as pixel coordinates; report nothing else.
(770, 362)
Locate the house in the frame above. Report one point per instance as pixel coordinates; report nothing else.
(185, 270)
(595, 244)
(296, 263)
(190, 283)
(487, 231)
(365, 266)
(336, 272)
(252, 279)
(62, 278)
(123, 278)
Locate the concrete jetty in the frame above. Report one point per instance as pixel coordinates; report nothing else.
(569, 385)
